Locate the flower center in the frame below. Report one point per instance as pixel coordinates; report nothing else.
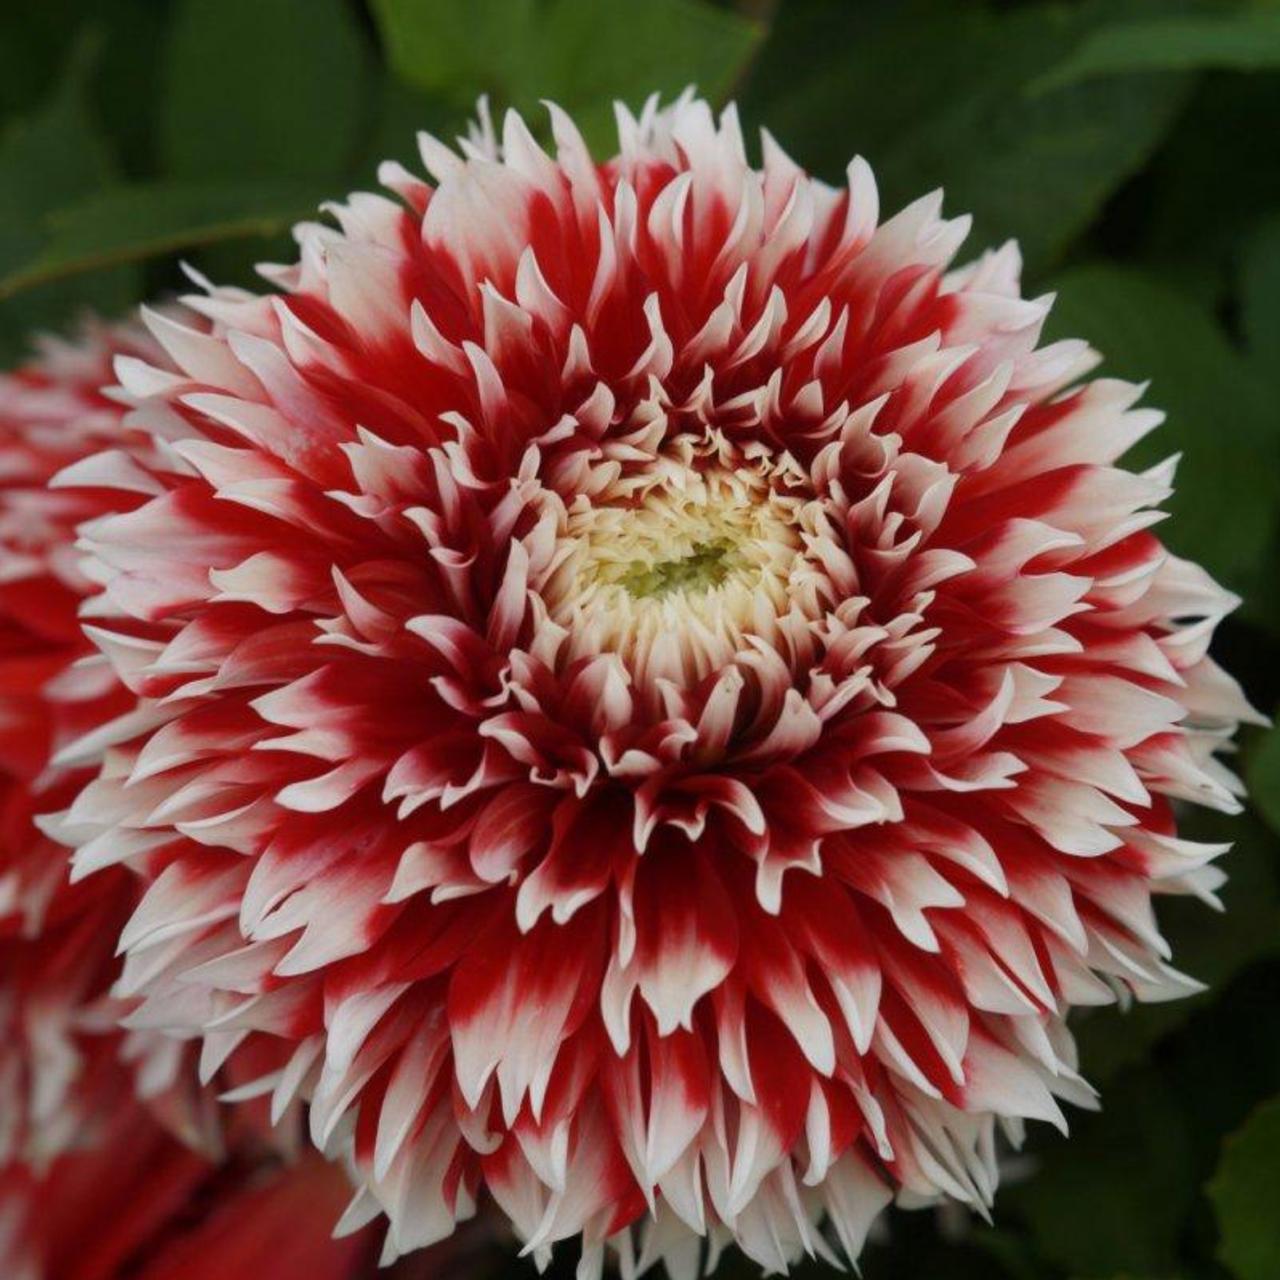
(676, 570)
(707, 565)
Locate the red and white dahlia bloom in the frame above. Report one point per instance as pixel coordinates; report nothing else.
(657, 693)
(61, 1074)
(139, 1204)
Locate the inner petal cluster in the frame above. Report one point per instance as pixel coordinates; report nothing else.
(682, 565)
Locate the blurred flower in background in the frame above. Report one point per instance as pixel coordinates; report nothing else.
(59, 1068)
(655, 699)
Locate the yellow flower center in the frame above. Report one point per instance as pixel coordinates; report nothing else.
(674, 575)
(705, 566)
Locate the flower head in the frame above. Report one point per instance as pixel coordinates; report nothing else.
(140, 1204)
(61, 1069)
(657, 693)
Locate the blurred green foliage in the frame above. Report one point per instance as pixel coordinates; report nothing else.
(1129, 146)
(1243, 1191)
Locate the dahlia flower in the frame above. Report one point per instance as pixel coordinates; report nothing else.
(61, 1074)
(142, 1205)
(654, 689)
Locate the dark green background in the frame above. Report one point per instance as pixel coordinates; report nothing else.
(1131, 147)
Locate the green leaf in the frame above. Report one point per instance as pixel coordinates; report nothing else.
(297, 125)
(262, 88)
(581, 54)
(1260, 298)
(127, 83)
(461, 50)
(1264, 778)
(48, 159)
(34, 41)
(602, 50)
(1209, 188)
(51, 157)
(1219, 415)
(128, 223)
(937, 98)
(36, 38)
(1243, 1192)
(1247, 41)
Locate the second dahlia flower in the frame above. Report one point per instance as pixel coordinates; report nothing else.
(657, 693)
(62, 1077)
(140, 1205)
